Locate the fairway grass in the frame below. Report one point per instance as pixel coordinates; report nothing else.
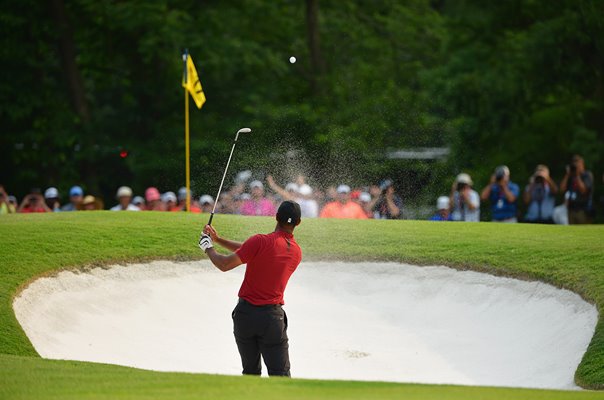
(570, 257)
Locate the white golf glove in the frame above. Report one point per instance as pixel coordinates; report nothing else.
(205, 242)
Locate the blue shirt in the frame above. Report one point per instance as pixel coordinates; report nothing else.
(500, 206)
(438, 217)
(541, 207)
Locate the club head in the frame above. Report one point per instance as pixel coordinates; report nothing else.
(244, 130)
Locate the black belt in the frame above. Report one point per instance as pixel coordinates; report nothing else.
(244, 301)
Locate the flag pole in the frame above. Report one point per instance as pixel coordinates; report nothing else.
(187, 167)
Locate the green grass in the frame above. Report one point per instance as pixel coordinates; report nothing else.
(32, 245)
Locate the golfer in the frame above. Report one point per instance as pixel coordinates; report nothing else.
(260, 323)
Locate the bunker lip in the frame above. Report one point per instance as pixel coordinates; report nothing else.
(357, 321)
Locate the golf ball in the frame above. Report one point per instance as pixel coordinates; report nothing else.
(292, 59)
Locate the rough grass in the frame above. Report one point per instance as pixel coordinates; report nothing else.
(571, 257)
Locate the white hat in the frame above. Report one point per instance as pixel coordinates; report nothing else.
(51, 193)
(245, 196)
(305, 190)
(365, 197)
(292, 187)
(182, 193)
(442, 203)
(206, 198)
(168, 196)
(124, 191)
(256, 184)
(343, 189)
(138, 200)
(243, 176)
(464, 178)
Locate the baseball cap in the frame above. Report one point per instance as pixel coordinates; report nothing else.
(343, 189)
(243, 176)
(51, 193)
(138, 200)
(365, 197)
(292, 187)
(305, 190)
(88, 200)
(152, 194)
(289, 213)
(124, 191)
(502, 170)
(76, 191)
(256, 184)
(182, 194)
(442, 202)
(168, 196)
(206, 198)
(464, 178)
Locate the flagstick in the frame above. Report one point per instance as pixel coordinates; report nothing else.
(188, 173)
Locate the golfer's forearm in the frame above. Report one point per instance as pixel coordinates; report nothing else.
(217, 259)
(228, 244)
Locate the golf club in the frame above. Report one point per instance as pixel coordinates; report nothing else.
(242, 130)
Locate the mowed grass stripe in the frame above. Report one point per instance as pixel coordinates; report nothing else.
(571, 257)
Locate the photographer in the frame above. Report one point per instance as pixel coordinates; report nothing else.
(502, 194)
(465, 200)
(540, 196)
(33, 203)
(386, 204)
(578, 187)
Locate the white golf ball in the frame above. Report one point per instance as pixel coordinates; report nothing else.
(292, 59)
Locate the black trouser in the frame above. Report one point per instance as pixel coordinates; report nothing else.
(261, 330)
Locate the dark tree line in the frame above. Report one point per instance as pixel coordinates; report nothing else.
(515, 82)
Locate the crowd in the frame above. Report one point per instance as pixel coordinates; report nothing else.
(248, 196)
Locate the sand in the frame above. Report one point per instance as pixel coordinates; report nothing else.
(359, 321)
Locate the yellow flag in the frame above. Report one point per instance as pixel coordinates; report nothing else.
(193, 84)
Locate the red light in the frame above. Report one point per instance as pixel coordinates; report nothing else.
(123, 154)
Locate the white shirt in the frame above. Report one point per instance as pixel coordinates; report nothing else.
(131, 207)
(466, 214)
(308, 208)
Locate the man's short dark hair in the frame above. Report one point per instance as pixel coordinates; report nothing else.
(289, 213)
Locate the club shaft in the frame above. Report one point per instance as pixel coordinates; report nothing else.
(222, 182)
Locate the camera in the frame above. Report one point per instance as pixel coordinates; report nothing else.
(385, 184)
(540, 180)
(573, 168)
(461, 186)
(499, 175)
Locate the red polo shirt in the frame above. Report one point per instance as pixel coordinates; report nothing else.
(271, 259)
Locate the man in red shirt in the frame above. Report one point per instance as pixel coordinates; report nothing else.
(343, 207)
(260, 323)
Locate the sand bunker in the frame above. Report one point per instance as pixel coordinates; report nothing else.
(360, 321)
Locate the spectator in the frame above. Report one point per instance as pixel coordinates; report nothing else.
(578, 187)
(124, 197)
(51, 198)
(365, 203)
(153, 200)
(443, 205)
(139, 202)
(182, 202)
(258, 204)
(5, 204)
(343, 207)
(33, 203)
(464, 200)
(386, 203)
(502, 193)
(207, 203)
(540, 196)
(89, 203)
(301, 194)
(76, 195)
(169, 200)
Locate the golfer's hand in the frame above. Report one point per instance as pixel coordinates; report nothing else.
(210, 231)
(205, 242)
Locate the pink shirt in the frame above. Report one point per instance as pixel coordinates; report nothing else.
(263, 207)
